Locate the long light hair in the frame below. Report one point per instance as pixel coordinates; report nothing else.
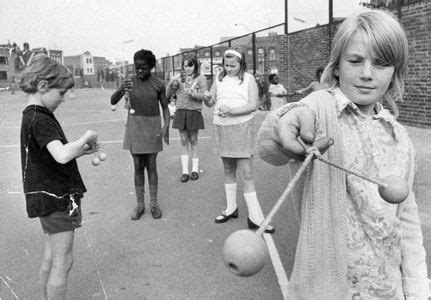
(388, 43)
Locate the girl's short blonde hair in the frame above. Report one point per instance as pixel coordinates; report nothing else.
(42, 67)
(388, 43)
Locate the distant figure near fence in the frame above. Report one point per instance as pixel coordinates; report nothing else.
(314, 85)
(16, 64)
(277, 92)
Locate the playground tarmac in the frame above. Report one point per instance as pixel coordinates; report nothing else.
(176, 257)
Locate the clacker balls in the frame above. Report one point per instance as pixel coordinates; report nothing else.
(395, 191)
(95, 161)
(245, 253)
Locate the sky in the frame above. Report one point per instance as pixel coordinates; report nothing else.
(116, 29)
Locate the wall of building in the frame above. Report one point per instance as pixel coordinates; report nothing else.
(416, 108)
(309, 49)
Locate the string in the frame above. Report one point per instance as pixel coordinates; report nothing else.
(311, 151)
(286, 192)
(318, 155)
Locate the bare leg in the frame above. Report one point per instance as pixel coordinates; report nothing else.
(62, 261)
(45, 268)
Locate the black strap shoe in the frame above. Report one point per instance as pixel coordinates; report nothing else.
(184, 177)
(224, 218)
(251, 225)
(194, 176)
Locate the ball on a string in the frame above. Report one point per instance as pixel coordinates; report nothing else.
(95, 161)
(245, 253)
(113, 108)
(102, 156)
(132, 111)
(395, 191)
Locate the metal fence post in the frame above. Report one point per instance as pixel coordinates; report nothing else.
(253, 46)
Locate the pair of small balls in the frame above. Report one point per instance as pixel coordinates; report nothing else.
(99, 158)
(131, 111)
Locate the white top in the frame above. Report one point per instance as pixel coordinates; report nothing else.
(232, 93)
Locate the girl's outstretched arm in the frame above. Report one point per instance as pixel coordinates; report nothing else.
(63, 153)
(117, 95)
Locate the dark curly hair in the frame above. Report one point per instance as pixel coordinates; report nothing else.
(42, 67)
(271, 77)
(147, 56)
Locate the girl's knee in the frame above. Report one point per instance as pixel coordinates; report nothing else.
(194, 141)
(193, 137)
(184, 141)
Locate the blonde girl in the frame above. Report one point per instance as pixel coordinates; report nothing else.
(235, 95)
(351, 242)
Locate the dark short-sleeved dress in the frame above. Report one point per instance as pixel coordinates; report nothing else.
(143, 129)
(48, 185)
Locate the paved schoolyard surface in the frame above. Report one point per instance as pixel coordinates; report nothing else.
(177, 257)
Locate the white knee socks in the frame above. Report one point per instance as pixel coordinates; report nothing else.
(195, 165)
(185, 163)
(254, 211)
(230, 189)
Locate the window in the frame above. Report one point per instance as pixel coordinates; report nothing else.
(271, 56)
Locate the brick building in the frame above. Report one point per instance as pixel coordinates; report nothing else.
(4, 57)
(87, 68)
(304, 51)
(265, 55)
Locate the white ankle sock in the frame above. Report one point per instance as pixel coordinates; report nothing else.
(185, 163)
(230, 189)
(195, 164)
(254, 211)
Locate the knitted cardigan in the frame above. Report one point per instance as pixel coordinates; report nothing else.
(320, 266)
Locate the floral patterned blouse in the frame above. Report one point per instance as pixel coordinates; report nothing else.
(386, 257)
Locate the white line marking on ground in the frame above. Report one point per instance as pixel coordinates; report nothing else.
(93, 122)
(95, 263)
(278, 266)
(102, 142)
(283, 282)
(13, 293)
(73, 124)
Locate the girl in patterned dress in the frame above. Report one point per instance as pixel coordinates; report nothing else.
(370, 248)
